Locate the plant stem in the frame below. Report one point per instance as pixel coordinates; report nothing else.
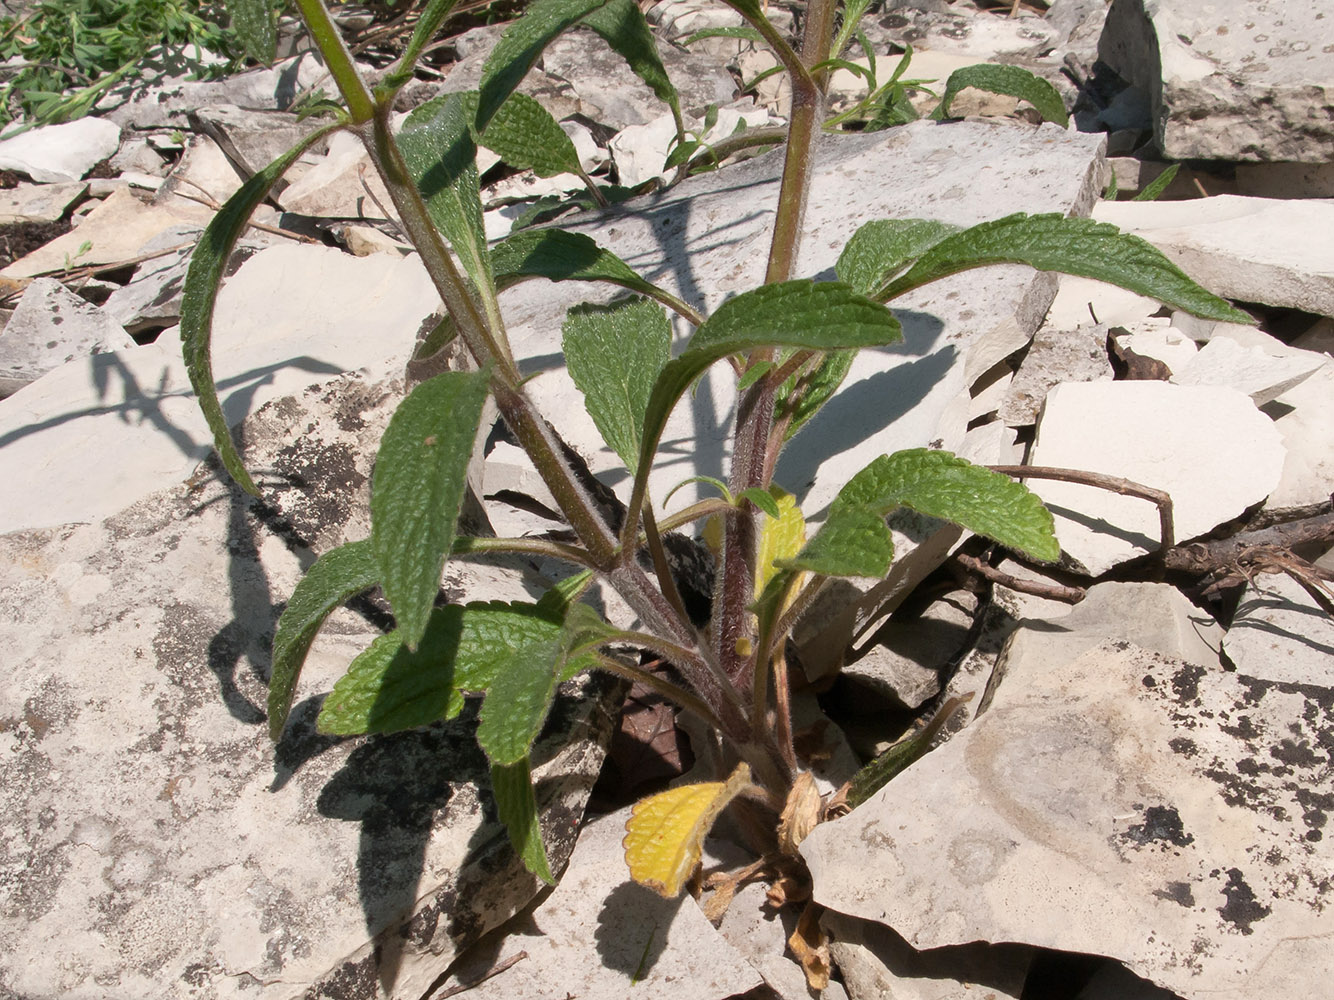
(338, 59)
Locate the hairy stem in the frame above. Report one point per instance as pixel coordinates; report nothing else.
(338, 60)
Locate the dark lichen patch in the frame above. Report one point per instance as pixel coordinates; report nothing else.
(1242, 729)
(1315, 811)
(1186, 683)
(1242, 908)
(1177, 892)
(1296, 753)
(1162, 825)
(1184, 746)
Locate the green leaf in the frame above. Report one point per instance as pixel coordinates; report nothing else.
(427, 25)
(465, 648)
(883, 247)
(621, 24)
(942, 485)
(417, 489)
(614, 354)
(520, 47)
(1155, 187)
(389, 688)
(201, 293)
(1072, 246)
(853, 541)
(525, 136)
(800, 314)
(763, 499)
(337, 575)
(1011, 80)
(516, 805)
(440, 154)
(853, 11)
(821, 384)
(561, 256)
(255, 28)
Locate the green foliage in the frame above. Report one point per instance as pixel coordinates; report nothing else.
(790, 343)
(71, 52)
(1011, 80)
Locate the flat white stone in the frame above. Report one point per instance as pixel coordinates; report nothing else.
(1119, 803)
(759, 933)
(50, 327)
(1280, 634)
(154, 842)
(1160, 342)
(1230, 80)
(93, 436)
(1279, 253)
(1188, 440)
(56, 153)
(1085, 302)
(600, 936)
(1261, 376)
(38, 202)
(1304, 415)
(341, 185)
(116, 229)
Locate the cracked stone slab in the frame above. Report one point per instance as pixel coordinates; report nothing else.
(600, 936)
(1187, 440)
(93, 436)
(1279, 253)
(1190, 803)
(1231, 79)
(155, 844)
(1262, 376)
(38, 202)
(1279, 633)
(60, 153)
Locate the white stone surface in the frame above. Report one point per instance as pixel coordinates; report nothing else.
(1160, 342)
(38, 202)
(55, 153)
(1279, 633)
(154, 842)
(1251, 370)
(1120, 803)
(1055, 356)
(1084, 302)
(1304, 415)
(337, 185)
(600, 936)
(92, 437)
(1279, 253)
(1188, 440)
(759, 932)
(641, 150)
(1229, 80)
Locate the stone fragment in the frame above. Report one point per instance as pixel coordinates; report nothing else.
(875, 963)
(116, 229)
(1122, 782)
(1261, 376)
(50, 327)
(60, 153)
(600, 936)
(1279, 253)
(180, 853)
(362, 241)
(1085, 302)
(614, 96)
(259, 136)
(38, 202)
(1187, 440)
(164, 95)
(1154, 340)
(1055, 356)
(759, 933)
(1304, 416)
(1279, 633)
(88, 439)
(343, 184)
(641, 150)
(1241, 80)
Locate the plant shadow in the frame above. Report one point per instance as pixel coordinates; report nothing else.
(632, 929)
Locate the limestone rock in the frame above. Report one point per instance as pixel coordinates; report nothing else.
(1187, 440)
(1280, 253)
(1055, 356)
(1304, 416)
(1261, 376)
(1151, 341)
(1184, 801)
(753, 928)
(38, 202)
(1279, 633)
(91, 438)
(601, 936)
(116, 229)
(60, 153)
(341, 185)
(156, 844)
(50, 327)
(1240, 80)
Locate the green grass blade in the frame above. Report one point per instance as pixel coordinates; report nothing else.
(427, 25)
(1011, 80)
(614, 354)
(1072, 246)
(337, 575)
(417, 489)
(1155, 187)
(202, 282)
